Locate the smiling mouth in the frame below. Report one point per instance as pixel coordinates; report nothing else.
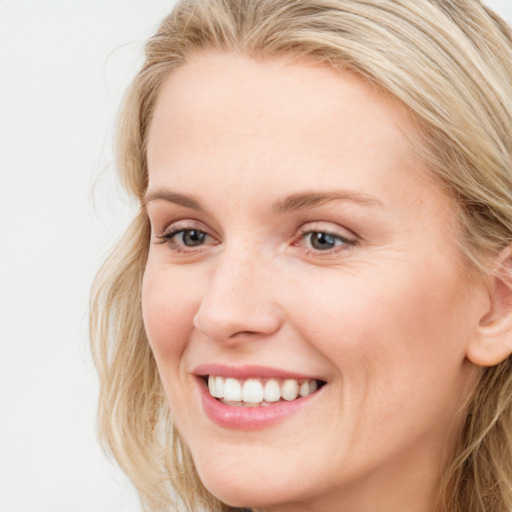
(255, 392)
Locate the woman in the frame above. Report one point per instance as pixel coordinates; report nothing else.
(312, 310)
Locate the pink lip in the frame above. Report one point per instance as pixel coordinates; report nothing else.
(248, 372)
(248, 418)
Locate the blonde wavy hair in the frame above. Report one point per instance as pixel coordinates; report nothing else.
(450, 63)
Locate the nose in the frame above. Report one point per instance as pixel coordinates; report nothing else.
(238, 303)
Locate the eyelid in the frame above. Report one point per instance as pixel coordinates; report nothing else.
(167, 235)
(348, 238)
(328, 228)
(183, 225)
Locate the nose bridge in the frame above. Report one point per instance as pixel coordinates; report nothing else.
(238, 298)
(233, 278)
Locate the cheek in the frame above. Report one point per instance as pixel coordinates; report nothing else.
(168, 313)
(398, 349)
(388, 337)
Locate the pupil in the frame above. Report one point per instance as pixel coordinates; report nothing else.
(322, 241)
(193, 237)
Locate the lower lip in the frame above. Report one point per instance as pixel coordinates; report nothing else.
(250, 418)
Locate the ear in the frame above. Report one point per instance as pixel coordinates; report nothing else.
(493, 341)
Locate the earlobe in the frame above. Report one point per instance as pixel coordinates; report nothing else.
(492, 344)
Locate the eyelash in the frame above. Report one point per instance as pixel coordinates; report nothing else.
(168, 238)
(341, 243)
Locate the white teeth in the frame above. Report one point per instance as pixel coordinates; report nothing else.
(216, 386)
(232, 390)
(211, 387)
(219, 386)
(253, 393)
(272, 391)
(290, 389)
(304, 389)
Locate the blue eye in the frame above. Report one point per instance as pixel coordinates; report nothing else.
(323, 241)
(189, 237)
(180, 238)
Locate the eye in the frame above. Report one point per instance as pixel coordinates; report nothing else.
(180, 238)
(189, 237)
(323, 241)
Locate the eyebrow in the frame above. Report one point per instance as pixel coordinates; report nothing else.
(294, 202)
(173, 197)
(307, 200)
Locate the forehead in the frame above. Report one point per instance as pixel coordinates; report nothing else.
(298, 122)
(281, 95)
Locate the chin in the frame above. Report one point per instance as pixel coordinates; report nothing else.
(245, 494)
(248, 487)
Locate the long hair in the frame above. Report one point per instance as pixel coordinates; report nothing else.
(449, 62)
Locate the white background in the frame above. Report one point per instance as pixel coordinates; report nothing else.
(63, 68)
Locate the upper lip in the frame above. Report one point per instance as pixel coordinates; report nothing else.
(250, 371)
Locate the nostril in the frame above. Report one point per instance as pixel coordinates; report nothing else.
(244, 334)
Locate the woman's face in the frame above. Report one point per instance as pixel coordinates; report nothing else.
(298, 244)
